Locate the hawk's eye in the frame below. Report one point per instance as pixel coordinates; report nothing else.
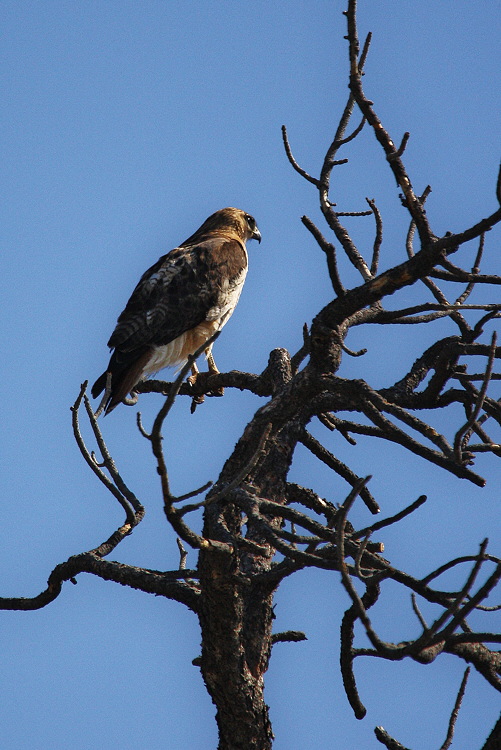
(250, 221)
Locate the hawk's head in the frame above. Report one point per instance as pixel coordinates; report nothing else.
(231, 222)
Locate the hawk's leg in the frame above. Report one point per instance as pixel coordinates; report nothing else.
(200, 377)
(213, 371)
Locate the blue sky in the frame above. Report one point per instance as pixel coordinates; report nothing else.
(124, 125)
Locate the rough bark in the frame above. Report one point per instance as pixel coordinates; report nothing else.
(236, 603)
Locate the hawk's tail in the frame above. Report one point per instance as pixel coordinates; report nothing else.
(126, 370)
(99, 385)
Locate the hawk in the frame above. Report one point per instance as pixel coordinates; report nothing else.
(178, 304)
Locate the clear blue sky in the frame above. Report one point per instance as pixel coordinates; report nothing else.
(124, 125)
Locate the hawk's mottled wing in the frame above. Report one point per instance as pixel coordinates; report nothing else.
(172, 297)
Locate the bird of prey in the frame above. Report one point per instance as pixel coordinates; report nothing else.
(178, 304)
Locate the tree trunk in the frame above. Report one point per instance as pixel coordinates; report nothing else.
(235, 618)
(493, 741)
(236, 599)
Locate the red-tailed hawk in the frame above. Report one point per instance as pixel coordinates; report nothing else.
(179, 303)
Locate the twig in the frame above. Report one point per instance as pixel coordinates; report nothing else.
(173, 515)
(330, 252)
(353, 213)
(358, 560)
(347, 654)
(246, 469)
(288, 636)
(429, 636)
(474, 271)
(455, 711)
(352, 353)
(372, 409)
(301, 353)
(417, 612)
(385, 739)
(391, 520)
(352, 135)
(140, 427)
(106, 396)
(452, 564)
(460, 434)
(345, 577)
(389, 316)
(412, 203)
(403, 144)
(116, 485)
(473, 600)
(318, 450)
(193, 493)
(378, 239)
(412, 226)
(294, 163)
(108, 460)
(183, 554)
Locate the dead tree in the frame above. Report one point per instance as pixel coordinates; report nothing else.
(258, 527)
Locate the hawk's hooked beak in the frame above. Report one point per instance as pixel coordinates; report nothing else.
(256, 235)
